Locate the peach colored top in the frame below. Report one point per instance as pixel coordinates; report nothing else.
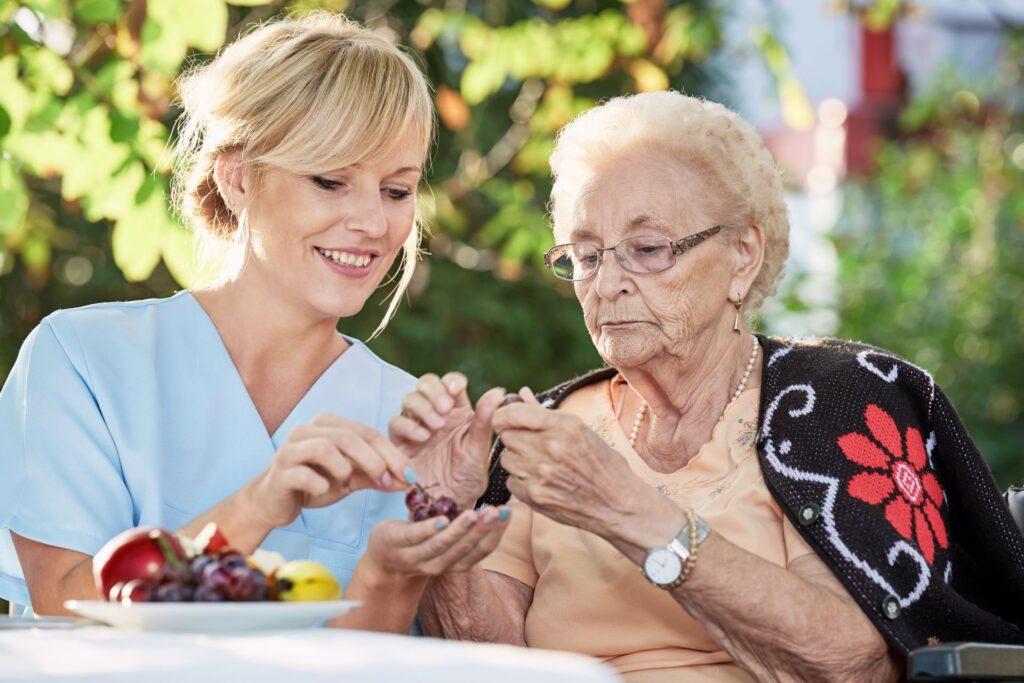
(589, 598)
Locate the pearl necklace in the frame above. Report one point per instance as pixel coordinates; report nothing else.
(638, 421)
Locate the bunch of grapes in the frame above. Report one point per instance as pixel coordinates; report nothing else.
(223, 576)
(423, 506)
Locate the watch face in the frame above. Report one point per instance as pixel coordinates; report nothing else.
(662, 566)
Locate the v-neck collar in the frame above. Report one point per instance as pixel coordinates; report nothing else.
(318, 394)
(735, 410)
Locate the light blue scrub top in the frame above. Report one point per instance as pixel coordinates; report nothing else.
(122, 414)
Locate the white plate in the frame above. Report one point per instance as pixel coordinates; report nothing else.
(211, 617)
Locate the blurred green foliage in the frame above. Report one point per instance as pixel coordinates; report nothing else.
(931, 252)
(86, 111)
(930, 246)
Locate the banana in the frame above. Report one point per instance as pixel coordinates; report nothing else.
(306, 581)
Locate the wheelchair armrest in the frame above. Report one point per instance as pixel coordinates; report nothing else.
(966, 662)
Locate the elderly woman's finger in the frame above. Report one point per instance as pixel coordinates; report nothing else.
(437, 393)
(456, 384)
(402, 428)
(528, 396)
(478, 438)
(515, 463)
(417, 406)
(524, 416)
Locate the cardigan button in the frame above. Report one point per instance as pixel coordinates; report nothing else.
(808, 514)
(891, 607)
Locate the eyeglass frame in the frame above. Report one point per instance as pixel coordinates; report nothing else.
(679, 247)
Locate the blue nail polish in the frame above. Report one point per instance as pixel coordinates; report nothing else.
(439, 524)
(410, 475)
(504, 515)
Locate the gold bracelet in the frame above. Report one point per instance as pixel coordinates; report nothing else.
(692, 557)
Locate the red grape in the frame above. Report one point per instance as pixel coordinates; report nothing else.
(137, 590)
(205, 593)
(445, 507)
(233, 558)
(174, 592)
(216, 576)
(247, 584)
(422, 512)
(198, 564)
(416, 497)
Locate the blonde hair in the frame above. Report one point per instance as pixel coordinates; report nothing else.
(308, 94)
(744, 185)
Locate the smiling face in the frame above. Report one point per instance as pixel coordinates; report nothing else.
(634, 318)
(325, 242)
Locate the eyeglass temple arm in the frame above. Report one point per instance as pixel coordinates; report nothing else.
(690, 242)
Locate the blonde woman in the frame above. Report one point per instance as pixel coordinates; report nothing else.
(300, 152)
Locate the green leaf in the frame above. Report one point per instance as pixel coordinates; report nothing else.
(52, 9)
(5, 123)
(13, 197)
(178, 249)
(96, 158)
(115, 198)
(480, 79)
(117, 81)
(204, 23)
(14, 96)
(172, 26)
(36, 252)
(98, 11)
(138, 236)
(45, 67)
(163, 48)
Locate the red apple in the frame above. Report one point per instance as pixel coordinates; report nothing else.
(139, 553)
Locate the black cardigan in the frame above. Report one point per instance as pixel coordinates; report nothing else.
(869, 460)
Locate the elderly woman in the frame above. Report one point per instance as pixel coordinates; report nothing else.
(715, 504)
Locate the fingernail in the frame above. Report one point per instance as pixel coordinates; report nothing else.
(422, 434)
(447, 403)
(410, 475)
(440, 524)
(387, 480)
(504, 514)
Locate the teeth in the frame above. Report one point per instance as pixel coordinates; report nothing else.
(346, 259)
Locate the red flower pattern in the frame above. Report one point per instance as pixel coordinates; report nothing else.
(897, 477)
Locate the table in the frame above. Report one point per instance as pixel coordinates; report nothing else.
(104, 654)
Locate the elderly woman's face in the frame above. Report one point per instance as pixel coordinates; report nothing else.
(632, 317)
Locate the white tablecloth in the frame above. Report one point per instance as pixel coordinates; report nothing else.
(103, 654)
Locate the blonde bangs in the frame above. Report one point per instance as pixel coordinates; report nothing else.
(348, 102)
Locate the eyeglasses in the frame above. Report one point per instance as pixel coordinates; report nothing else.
(643, 255)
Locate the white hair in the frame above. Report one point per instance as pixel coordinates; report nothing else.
(744, 186)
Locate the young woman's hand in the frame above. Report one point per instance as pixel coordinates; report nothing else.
(321, 463)
(436, 546)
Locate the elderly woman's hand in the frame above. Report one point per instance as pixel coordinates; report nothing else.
(562, 469)
(448, 440)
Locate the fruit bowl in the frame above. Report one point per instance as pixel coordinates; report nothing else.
(212, 617)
